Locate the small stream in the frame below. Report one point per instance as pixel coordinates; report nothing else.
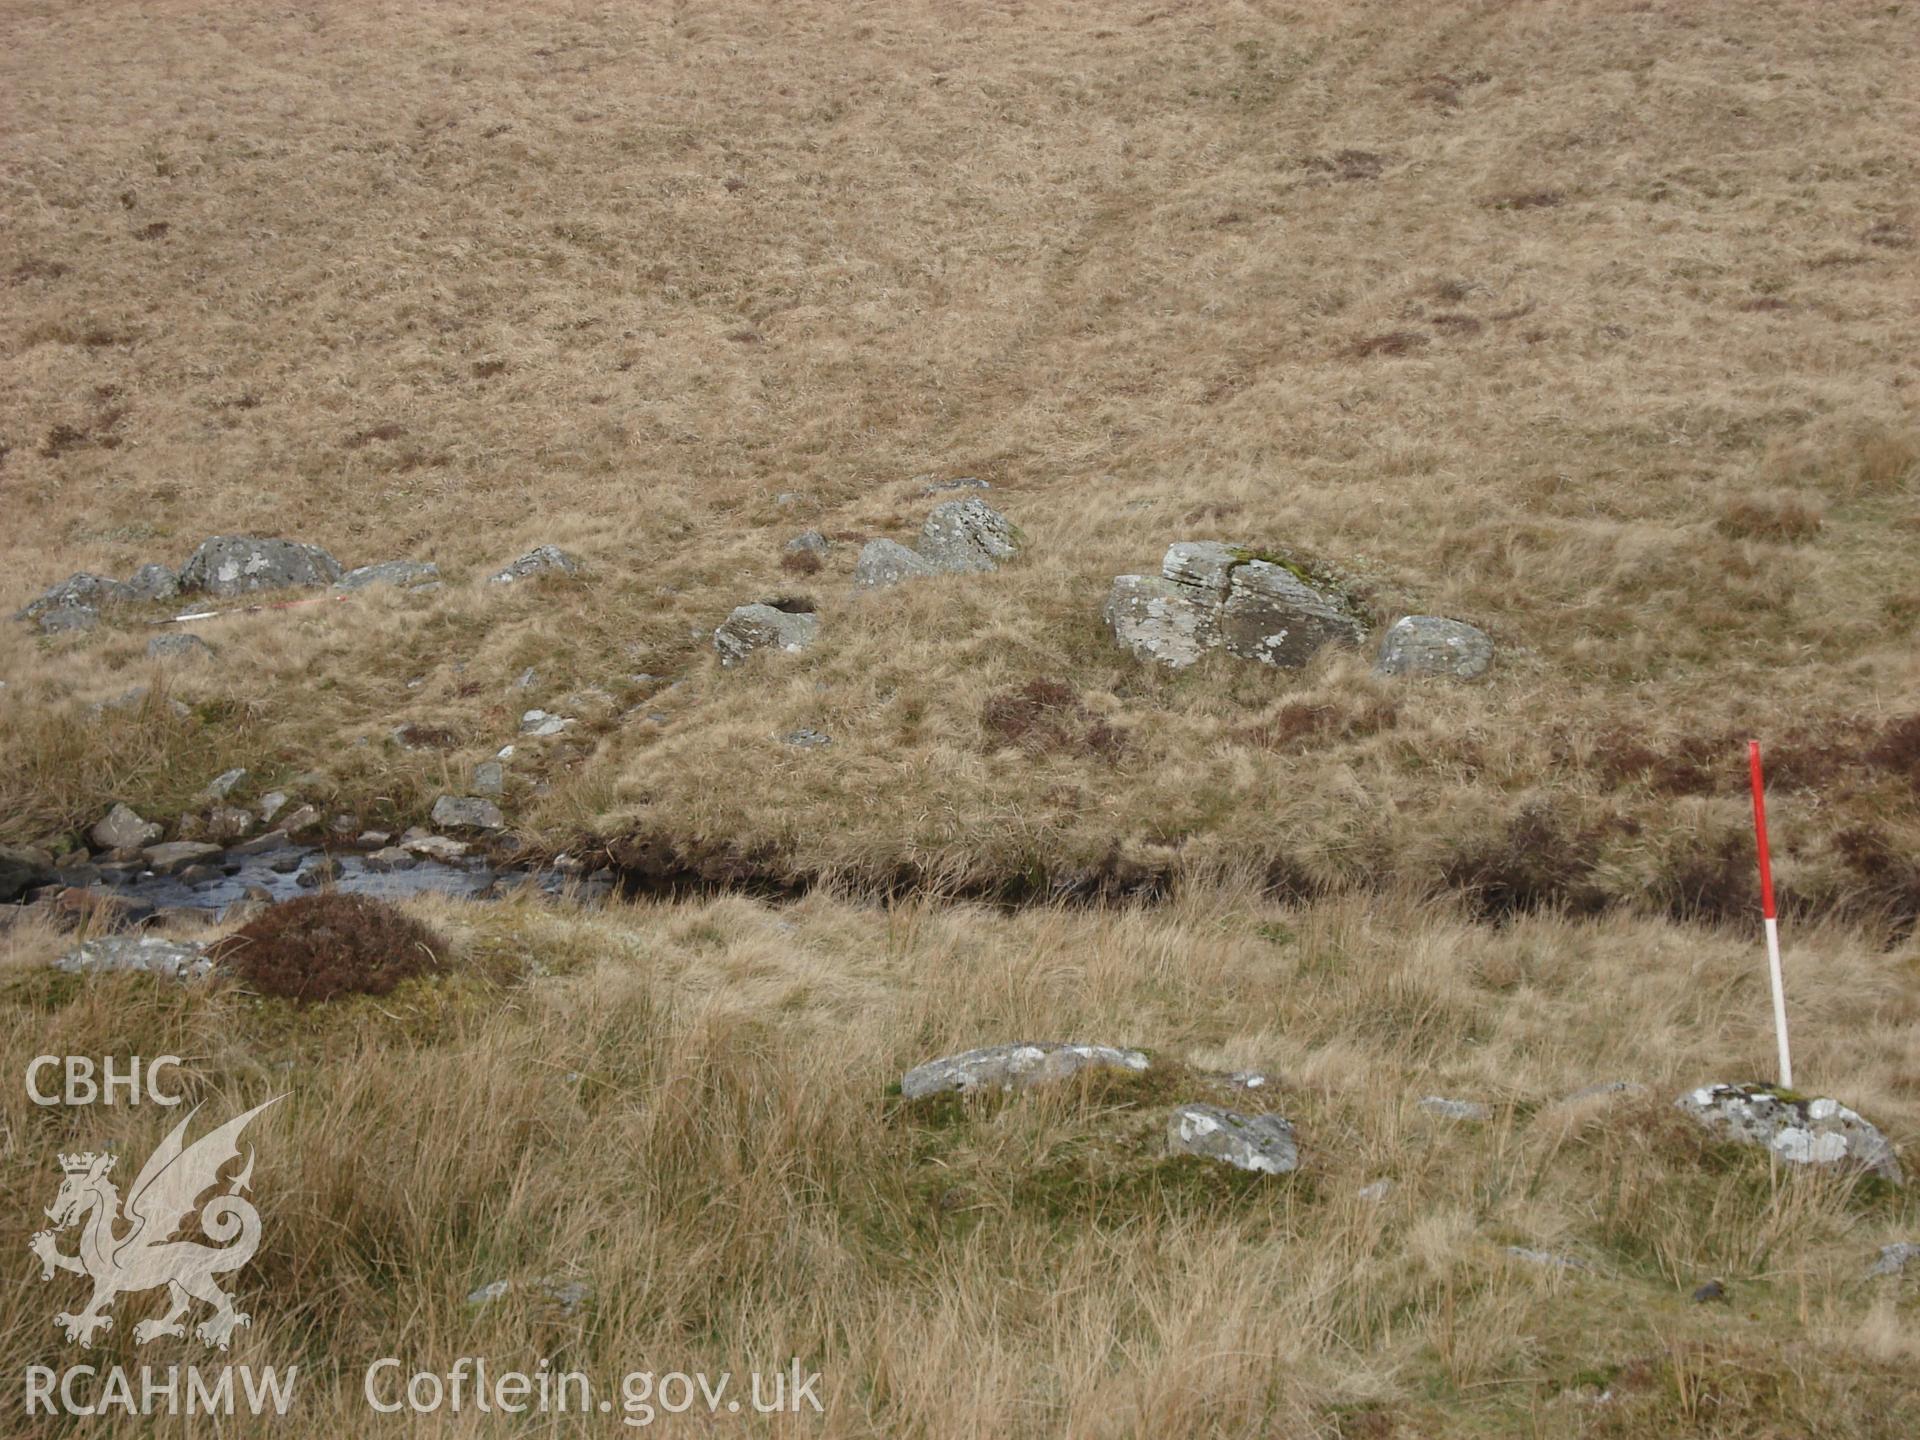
(279, 873)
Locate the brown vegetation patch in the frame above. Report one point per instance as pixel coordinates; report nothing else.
(1782, 518)
(320, 947)
(1454, 324)
(488, 369)
(1535, 862)
(1446, 90)
(155, 231)
(1347, 164)
(1890, 236)
(1393, 342)
(37, 268)
(801, 562)
(1764, 305)
(1047, 717)
(362, 438)
(1304, 724)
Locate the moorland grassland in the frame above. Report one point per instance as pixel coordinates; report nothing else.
(1588, 323)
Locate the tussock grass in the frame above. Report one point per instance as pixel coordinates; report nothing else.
(685, 1105)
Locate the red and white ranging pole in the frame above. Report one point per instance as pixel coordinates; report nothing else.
(1769, 917)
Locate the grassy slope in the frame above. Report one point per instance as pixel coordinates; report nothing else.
(687, 1109)
(447, 284)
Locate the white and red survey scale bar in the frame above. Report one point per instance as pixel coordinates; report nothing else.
(1769, 917)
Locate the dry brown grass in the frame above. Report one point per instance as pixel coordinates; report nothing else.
(685, 1106)
(447, 283)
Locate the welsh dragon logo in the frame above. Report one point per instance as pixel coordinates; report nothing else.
(146, 1256)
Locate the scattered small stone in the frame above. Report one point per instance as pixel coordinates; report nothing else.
(147, 954)
(1249, 1079)
(178, 647)
(809, 542)
(285, 862)
(1430, 645)
(529, 677)
(344, 825)
(568, 1295)
(177, 855)
(1014, 1067)
(1605, 1087)
(1378, 1190)
(303, 818)
(541, 560)
(410, 573)
(962, 482)
(1710, 1292)
(271, 804)
(806, 738)
(467, 812)
(262, 844)
(228, 823)
(435, 847)
(1799, 1130)
(1895, 1258)
(540, 723)
(1455, 1109)
(122, 827)
(242, 564)
(197, 875)
(489, 778)
(788, 498)
(223, 784)
(888, 562)
(762, 627)
(391, 857)
(373, 839)
(1260, 1143)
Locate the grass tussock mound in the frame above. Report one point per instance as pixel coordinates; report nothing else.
(321, 947)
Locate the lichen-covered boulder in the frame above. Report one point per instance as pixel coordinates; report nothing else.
(541, 560)
(1260, 1143)
(1162, 622)
(888, 562)
(762, 627)
(967, 536)
(1800, 1130)
(1014, 1067)
(67, 619)
(148, 954)
(1279, 617)
(82, 591)
(809, 542)
(1431, 645)
(153, 582)
(243, 564)
(1895, 1258)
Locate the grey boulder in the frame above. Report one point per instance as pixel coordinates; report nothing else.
(177, 855)
(1430, 645)
(1014, 1067)
(761, 627)
(467, 812)
(146, 954)
(153, 582)
(67, 619)
(123, 828)
(81, 591)
(965, 536)
(1800, 1131)
(1895, 1258)
(541, 560)
(1263, 1144)
(243, 564)
(1211, 595)
(888, 562)
(809, 542)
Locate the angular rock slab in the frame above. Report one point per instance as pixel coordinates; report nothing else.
(153, 582)
(1431, 645)
(1895, 1258)
(1799, 1130)
(1263, 1144)
(1013, 1067)
(467, 812)
(1162, 622)
(67, 619)
(147, 954)
(761, 627)
(242, 564)
(967, 536)
(1275, 617)
(121, 827)
(177, 855)
(81, 591)
(888, 562)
